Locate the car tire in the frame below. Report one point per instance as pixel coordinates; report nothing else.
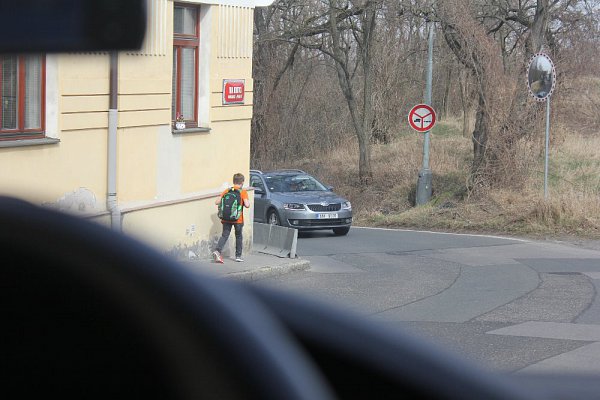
(341, 231)
(273, 218)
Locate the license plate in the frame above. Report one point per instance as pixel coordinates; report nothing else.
(327, 216)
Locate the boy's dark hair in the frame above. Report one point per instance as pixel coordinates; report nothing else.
(238, 179)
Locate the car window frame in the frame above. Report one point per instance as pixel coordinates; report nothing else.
(264, 188)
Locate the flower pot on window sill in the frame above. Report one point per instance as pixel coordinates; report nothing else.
(179, 125)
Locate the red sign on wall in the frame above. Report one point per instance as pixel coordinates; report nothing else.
(233, 91)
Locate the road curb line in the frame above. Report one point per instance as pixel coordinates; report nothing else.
(444, 233)
(268, 271)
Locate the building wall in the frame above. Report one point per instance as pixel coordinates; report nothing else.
(70, 174)
(192, 225)
(158, 167)
(167, 182)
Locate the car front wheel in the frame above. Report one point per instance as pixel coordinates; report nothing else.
(273, 218)
(341, 231)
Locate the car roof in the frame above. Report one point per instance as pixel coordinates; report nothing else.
(280, 172)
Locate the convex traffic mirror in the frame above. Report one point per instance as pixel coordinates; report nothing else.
(541, 76)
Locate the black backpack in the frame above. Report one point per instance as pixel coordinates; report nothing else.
(230, 207)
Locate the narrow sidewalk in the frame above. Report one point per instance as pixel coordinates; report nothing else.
(255, 266)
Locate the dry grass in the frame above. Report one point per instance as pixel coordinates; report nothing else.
(573, 207)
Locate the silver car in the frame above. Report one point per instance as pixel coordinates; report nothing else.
(295, 199)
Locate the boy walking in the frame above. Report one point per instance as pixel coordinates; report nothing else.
(231, 211)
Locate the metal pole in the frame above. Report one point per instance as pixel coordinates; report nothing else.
(424, 188)
(547, 148)
(428, 93)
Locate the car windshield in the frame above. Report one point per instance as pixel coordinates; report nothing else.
(466, 206)
(293, 183)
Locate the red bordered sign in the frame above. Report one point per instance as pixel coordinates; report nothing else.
(422, 118)
(233, 91)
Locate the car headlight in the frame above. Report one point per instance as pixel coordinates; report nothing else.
(293, 206)
(347, 205)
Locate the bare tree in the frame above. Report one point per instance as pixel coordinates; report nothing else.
(492, 39)
(341, 30)
(340, 50)
(375, 52)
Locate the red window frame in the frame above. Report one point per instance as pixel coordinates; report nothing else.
(20, 132)
(181, 41)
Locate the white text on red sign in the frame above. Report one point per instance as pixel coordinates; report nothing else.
(233, 91)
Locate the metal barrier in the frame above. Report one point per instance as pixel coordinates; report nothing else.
(276, 240)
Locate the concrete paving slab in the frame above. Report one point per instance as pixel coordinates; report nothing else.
(583, 360)
(559, 298)
(476, 291)
(498, 352)
(552, 330)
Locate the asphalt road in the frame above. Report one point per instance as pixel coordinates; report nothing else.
(510, 304)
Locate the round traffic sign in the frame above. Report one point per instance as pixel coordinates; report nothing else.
(421, 118)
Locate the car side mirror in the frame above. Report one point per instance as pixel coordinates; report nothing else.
(330, 188)
(259, 191)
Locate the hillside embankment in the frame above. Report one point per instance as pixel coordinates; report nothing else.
(571, 211)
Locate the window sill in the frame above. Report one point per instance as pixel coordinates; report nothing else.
(28, 142)
(190, 130)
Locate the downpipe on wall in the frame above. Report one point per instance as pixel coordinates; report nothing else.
(113, 113)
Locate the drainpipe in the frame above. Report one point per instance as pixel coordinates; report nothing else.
(111, 199)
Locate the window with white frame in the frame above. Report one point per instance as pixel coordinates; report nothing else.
(22, 80)
(186, 40)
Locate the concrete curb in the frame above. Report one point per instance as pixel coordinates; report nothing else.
(267, 271)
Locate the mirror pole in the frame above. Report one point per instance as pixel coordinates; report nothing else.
(547, 147)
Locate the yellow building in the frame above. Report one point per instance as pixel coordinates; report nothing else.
(95, 134)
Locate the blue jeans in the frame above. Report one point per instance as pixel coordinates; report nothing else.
(238, 238)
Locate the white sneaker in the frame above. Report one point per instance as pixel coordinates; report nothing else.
(239, 259)
(217, 256)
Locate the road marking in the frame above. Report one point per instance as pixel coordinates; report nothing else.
(552, 330)
(583, 360)
(443, 233)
